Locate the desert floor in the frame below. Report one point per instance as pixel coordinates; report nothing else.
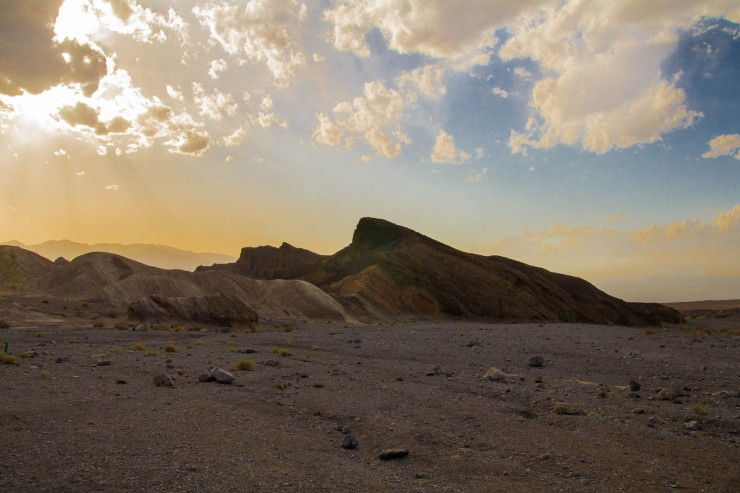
(96, 421)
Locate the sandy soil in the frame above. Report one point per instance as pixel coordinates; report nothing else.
(77, 426)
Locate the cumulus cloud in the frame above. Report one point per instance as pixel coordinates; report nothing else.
(174, 93)
(691, 247)
(236, 137)
(724, 145)
(111, 188)
(374, 117)
(217, 66)
(500, 91)
(84, 115)
(215, 105)
(437, 28)
(33, 59)
(445, 150)
(604, 88)
(367, 117)
(260, 31)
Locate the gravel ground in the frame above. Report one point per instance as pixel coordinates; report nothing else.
(77, 426)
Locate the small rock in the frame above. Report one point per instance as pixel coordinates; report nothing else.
(121, 381)
(245, 351)
(206, 377)
(345, 429)
(692, 425)
(62, 359)
(349, 442)
(536, 361)
(634, 385)
(473, 343)
(432, 370)
(422, 475)
(222, 376)
(667, 394)
(103, 362)
(537, 379)
(566, 408)
(164, 380)
(655, 420)
(496, 375)
(634, 395)
(393, 453)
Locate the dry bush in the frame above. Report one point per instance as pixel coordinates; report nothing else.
(244, 365)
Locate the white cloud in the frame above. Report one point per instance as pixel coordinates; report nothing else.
(60, 153)
(480, 153)
(215, 105)
(724, 145)
(174, 93)
(217, 66)
(318, 58)
(604, 86)
(437, 28)
(80, 173)
(374, 117)
(261, 31)
(111, 188)
(228, 158)
(500, 91)
(236, 137)
(366, 117)
(445, 150)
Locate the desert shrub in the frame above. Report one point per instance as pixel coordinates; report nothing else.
(39, 334)
(98, 325)
(44, 373)
(279, 385)
(244, 365)
(650, 331)
(139, 346)
(26, 355)
(120, 325)
(700, 410)
(151, 352)
(116, 349)
(8, 359)
(288, 328)
(281, 351)
(315, 348)
(112, 314)
(170, 348)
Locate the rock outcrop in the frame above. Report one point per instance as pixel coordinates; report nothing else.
(218, 309)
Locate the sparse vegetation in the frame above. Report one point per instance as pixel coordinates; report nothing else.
(120, 325)
(112, 314)
(650, 331)
(116, 349)
(279, 385)
(151, 352)
(170, 348)
(700, 410)
(316, 348)
(39, 334)
(44, 373)
(288, 328)
(244, 365)
(8, 359)
(139, 346)
(98, 324)
(280, 351)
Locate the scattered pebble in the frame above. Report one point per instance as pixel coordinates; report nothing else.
(164, 380)
(536, 361)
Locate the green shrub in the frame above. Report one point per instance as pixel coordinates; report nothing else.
(244, 365)
(281, 351)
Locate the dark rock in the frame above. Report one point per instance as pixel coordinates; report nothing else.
(206, 377)
(432, 370)
(62, 359)
(536, 361)
(393, 453)
(103, 362)
(634, 385)
(349, 442)
(245, 351)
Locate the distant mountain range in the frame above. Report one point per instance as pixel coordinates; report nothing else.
(155, 255)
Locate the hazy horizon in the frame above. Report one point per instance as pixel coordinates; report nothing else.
(597, 139)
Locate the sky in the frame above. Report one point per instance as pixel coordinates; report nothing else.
(590, 137)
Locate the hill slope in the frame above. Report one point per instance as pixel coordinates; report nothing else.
(390, 271)
(124, 285)
(156, 255)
